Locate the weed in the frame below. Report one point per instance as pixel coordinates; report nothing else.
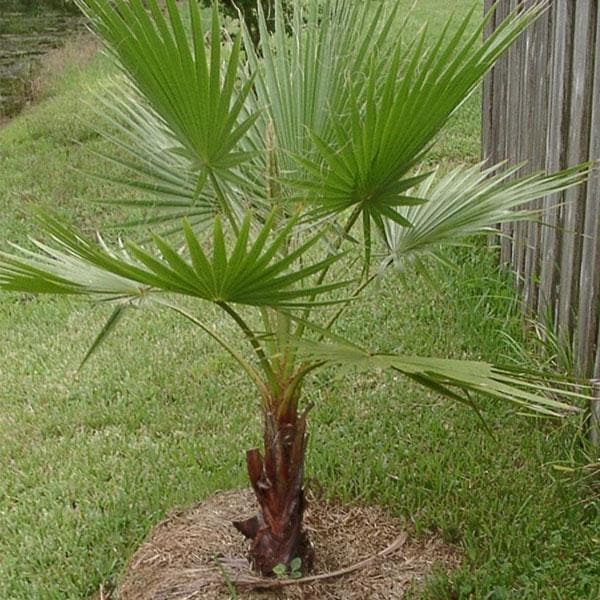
(293, 570)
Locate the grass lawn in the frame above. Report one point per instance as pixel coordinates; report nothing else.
(160, 417)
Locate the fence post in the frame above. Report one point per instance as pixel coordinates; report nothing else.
(595, 413)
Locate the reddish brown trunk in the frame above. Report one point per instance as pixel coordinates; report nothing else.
(277, 479)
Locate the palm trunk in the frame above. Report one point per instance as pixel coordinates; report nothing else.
(277, 479)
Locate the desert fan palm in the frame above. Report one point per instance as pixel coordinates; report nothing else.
(279, 181)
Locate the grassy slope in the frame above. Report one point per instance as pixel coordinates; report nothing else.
(159, 418)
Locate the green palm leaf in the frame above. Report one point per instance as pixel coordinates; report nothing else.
(112, 322)
(468, 201)
(394, 115)
(255, 272)
(195, 93)
(144, 144)
(302, 75)
(456, 379)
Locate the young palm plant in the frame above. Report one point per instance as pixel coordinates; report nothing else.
(280, 181)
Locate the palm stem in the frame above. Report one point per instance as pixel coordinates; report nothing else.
(250, 370)
(251, 337)
(223, 202)
(349, 224)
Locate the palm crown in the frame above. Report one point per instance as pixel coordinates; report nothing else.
(285, 178)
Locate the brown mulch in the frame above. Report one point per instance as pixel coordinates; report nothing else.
(196, 553)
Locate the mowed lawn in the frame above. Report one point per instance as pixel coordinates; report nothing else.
(160, 417)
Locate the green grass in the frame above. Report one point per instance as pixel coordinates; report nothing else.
(161, 418)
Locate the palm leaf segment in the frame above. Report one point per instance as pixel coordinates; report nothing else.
(254, 273)
(143, 144)
(467, 201)
(455, 379)
(181, 81)
(394, 113)
(302, 79)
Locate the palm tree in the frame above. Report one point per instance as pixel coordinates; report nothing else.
(282, 181)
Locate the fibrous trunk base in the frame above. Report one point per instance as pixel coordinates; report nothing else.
(270, 548)
(277, 479)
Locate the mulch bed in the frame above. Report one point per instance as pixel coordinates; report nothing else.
(362, 552)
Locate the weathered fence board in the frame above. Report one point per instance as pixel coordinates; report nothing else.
(589, 282)
(488, 85)
(577, 151)
(560, 57)
(542, 103)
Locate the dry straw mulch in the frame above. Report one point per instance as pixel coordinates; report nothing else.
(196, 553)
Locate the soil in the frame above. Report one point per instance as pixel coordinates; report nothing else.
(197, 553)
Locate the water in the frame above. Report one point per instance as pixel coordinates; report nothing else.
(29, 29)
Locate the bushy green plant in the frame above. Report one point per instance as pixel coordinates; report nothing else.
(248, 10)
(286, 175)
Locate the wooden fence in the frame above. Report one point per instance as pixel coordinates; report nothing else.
(541, 103)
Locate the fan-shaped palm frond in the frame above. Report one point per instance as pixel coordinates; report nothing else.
(143, 143)
(253, 272)
(170, 184)
(394, 114)
(303, 78)
(468, 201)
(179, 79)
(455, 379)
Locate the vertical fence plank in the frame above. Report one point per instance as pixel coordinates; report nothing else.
(596, 372)
(560, 82)
(589, 282)
(595, 413)
(519, 138)
(488, 104)
(578, 145)
(538, 107)
(505, 121)
(500, 87)
(487, 97)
